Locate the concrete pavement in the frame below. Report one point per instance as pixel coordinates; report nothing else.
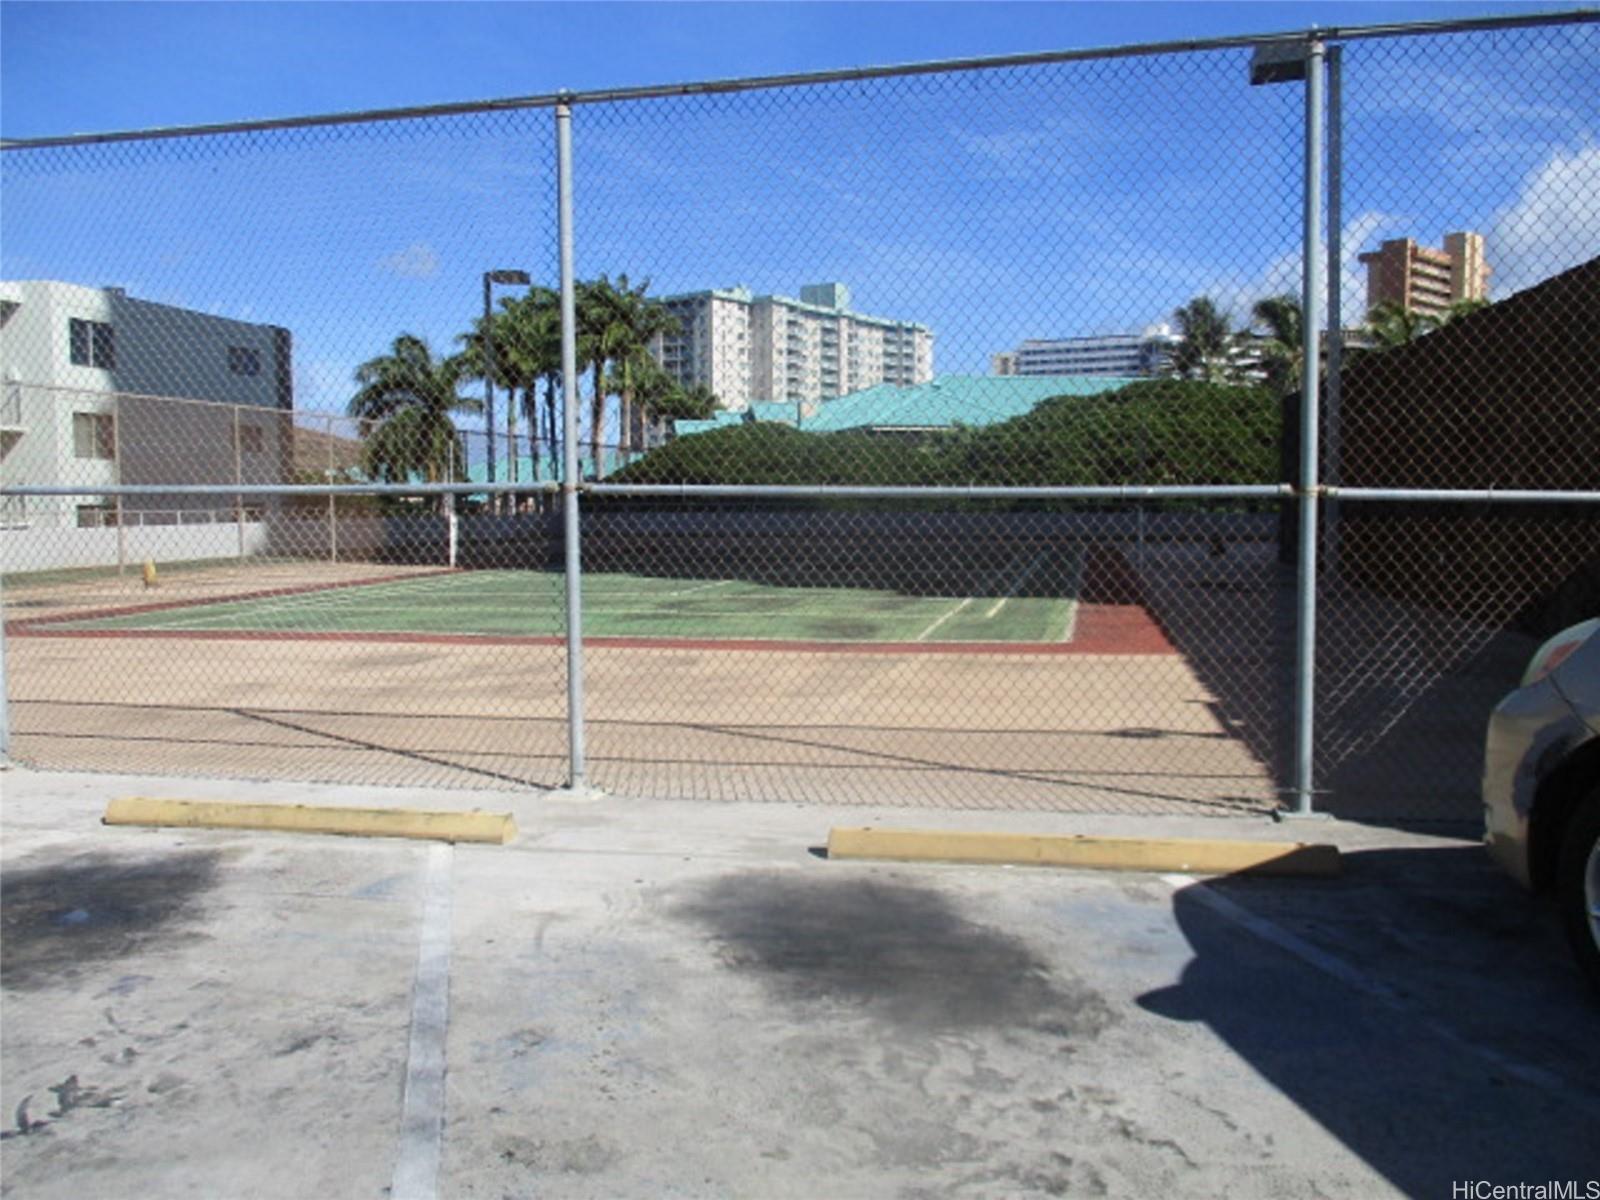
(669, 998)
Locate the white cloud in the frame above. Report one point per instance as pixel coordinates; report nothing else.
(417, 261)
(1464, 102)
(1048, 149)
(1012, 150)
(1553, 224)
(322, 385)
(1365, 231)
(821, 182)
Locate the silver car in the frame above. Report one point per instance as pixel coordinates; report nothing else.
(1541, 783)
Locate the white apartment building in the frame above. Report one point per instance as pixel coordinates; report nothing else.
(1136, 355)
(712, 348)
(99, 387)
(775, 348)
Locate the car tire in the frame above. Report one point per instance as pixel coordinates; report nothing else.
(1578, 885)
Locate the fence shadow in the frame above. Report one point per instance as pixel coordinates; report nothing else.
(1459, 1049)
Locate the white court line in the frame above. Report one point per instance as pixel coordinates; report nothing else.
(1072, 621)
(1077, 590)
(923, 636)
(1355, 978)
(1015, 584)
(704, 587)
(416, 1164)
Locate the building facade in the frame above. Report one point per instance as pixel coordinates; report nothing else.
(1425, 280)
(776, 349)
(99, 387)
(1127, 355)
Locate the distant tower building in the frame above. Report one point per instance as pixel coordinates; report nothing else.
(1125, 354)
(775, 348)
(1425, 280)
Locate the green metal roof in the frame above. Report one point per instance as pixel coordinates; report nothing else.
(950, 400)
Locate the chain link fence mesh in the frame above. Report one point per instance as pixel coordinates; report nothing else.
(282, 308)
(1078, 273)
(1475, 369)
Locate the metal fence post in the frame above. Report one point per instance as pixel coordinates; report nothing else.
(577, 778)
(333, 509)
(116, 459)
(238, 477)
(1335, 357)
(5, 696)
(493, 501)
(1305, 659)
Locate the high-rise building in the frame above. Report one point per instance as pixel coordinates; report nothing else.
(712, 346)
(1125, 354)
(1425, 280)
(775, 348)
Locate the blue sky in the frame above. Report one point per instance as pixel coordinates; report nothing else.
(88, 67)
(991, 207)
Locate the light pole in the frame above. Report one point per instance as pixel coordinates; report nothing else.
(490, 278)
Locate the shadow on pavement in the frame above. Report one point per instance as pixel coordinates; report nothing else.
(1462, 1044)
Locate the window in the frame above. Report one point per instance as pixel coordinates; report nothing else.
(96, 516)
(91, 343)
(250, 439)
(94, 435)
(244, 361)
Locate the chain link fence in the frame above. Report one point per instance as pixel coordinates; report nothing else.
(930, 437)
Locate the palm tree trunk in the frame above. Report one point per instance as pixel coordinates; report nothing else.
(553, 439)
(530, 407)
(511, 438)
(597, 415)
(625, 413)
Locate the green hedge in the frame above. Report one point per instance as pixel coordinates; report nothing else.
(1152, 432)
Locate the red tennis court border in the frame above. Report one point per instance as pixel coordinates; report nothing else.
(1120, 629)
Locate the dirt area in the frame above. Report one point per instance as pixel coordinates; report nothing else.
(1135, 733)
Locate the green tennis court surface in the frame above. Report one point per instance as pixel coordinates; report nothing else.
(1030, 600)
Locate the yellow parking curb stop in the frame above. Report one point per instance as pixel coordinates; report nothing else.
(1200, 856)
(496, 828)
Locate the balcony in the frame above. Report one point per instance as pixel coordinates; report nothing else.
(11, 409)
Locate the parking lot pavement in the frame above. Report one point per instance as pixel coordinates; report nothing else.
(656, 999)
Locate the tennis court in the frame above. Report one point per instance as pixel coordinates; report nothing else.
(1026, 676)
(1027, 599)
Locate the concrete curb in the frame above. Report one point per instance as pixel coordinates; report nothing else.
(495, 828)
(1200, 856)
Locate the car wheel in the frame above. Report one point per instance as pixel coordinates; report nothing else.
(1578, 885)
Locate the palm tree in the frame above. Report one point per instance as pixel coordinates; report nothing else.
(641, 321)
(1462, 308)
(1390, 324)
(616, 324)
(694, 403)
(661, 400)
(525, 337)
(598, 336)
(405, 403)
(1206, 349)
(1282, 344)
